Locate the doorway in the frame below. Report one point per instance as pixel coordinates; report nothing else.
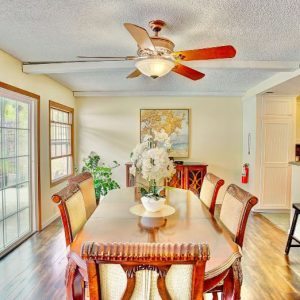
(18, 167)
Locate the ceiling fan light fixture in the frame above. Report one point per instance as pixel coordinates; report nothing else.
(155, 67)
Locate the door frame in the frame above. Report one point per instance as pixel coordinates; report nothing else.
(37, 172)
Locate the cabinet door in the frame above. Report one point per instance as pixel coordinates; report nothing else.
(194, 177)
(176, 180)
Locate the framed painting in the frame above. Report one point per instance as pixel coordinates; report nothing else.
(175, 122)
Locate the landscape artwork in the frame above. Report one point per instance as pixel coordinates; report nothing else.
(175, 122)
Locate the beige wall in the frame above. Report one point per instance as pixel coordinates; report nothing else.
(11, 73)
(110, 126)
(298, 120)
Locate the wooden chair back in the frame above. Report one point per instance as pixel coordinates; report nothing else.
(209, 190)
(72, 210)
(134, 259)
(235, 211)
(86, 184)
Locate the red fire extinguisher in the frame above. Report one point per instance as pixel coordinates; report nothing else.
(245, 173)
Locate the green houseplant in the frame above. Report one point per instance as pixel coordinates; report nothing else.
(101, 173)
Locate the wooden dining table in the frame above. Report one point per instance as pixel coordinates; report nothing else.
(113, 221)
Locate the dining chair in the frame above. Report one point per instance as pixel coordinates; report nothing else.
(86, 184)
(73, 215)
(209, 190)
(145, 271)
(235, 210)
(72, 210)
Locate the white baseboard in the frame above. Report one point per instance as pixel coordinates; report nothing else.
(271, 210)
(49, 221)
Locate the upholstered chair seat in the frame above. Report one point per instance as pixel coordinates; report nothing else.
(145, 271)
(209, 190)
(86, 184)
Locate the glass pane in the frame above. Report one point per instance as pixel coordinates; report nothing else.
(66, 118)
(1, 206)
(1, 101)
(61, 116)
(11, 229)
(24, 221)
(70, 165)
(23, 142)
(23, 195)
(58, 140)
(9, 142)
(52, 151)
(58, 148)
(1, 236)
(64, 149)
(9, 113)
(11, 200)
(23, 169)
(23, 115)
(10, 172)
(61, 167)
(2, 177)
(53, 132)
(0, 136)
(54, 115)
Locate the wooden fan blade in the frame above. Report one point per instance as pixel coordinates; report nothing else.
(206, 53)
(134, 74)
(187, 72)
(84, 59)
(140, 35)
(109, 58)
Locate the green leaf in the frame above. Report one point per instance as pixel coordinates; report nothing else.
(101, 173)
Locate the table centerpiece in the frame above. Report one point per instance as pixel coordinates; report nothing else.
(151, 166)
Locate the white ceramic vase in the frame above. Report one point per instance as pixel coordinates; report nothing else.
(153, 205)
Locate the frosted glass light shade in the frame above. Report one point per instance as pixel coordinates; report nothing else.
(155, 67)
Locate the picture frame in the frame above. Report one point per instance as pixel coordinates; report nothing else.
(174, 121)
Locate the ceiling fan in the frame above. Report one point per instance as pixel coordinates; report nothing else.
(156, 56)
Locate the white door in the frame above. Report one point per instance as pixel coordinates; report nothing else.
(277, 147)
(17, 172)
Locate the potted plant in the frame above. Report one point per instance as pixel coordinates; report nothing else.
(150, 160)
(101, 173)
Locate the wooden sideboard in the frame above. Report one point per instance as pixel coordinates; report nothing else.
(188, 176)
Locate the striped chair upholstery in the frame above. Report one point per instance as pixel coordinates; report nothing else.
(86, 184)
(72, 209)
(235, 211)
(209, 190)
(145, 271)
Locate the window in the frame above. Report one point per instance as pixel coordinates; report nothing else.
(61, 142)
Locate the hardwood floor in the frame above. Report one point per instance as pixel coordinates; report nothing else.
(36, 269)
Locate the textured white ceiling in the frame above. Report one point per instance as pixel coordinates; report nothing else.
(36, 30)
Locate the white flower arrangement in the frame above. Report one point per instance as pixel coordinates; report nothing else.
(150, 159)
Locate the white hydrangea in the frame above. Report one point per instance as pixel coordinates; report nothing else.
(153, 164)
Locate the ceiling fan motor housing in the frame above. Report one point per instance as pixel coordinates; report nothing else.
(163, 46)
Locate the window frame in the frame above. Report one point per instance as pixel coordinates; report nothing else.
(64, 108)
